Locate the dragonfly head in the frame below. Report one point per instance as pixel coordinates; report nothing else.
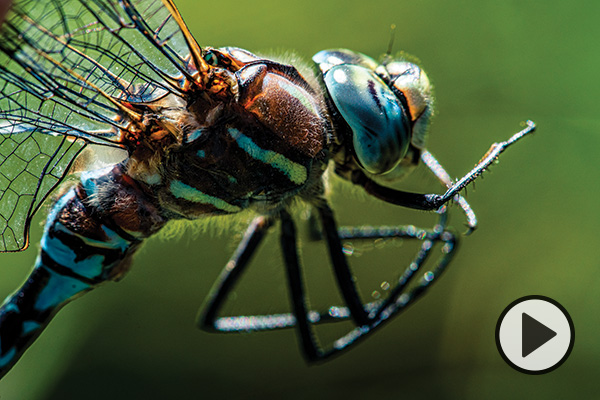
(384, 110)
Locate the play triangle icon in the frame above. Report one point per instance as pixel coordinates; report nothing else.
(534, 334)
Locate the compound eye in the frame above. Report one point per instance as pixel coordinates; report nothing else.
(380, 128)
(211, 58)
(412, 81)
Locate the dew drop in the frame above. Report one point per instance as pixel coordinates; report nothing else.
(429, 276)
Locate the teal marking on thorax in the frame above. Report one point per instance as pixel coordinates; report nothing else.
(153, 179)
(201, 153)
(189, 193)
(301, 96)
(194, 135)
(295, 172)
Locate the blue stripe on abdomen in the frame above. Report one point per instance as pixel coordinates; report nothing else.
(90, 267)
(58, 289)
(85, 257)
(8, 357)
(82, 247)
(30, 326)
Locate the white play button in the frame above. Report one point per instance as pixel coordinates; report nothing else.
(535, 334)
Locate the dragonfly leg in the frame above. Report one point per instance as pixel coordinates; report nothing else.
(435, 201)
(436, 168)
(403, 295)
(412, 283)
(207, 316)
(380, 312)
(289, 246)
(341, 268)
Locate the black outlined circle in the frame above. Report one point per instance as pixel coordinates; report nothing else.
(565, 355)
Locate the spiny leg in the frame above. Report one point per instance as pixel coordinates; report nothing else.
(299, 317)
(434, 201)
(381, 311)
(341, 268)
(438, 234)
(492, 155)
(436, 168)
(207, 316)
(402, 296)
(289, 247)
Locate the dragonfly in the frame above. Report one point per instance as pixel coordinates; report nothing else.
(204, 132)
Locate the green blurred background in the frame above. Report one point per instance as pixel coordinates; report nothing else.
(493, 65)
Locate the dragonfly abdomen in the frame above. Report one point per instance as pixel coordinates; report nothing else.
(89, 237)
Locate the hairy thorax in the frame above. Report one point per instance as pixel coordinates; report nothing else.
(258, 150)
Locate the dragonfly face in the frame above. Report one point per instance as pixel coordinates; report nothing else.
(387, 107)
(207, 132)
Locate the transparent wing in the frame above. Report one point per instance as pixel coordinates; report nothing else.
(68, 70)
(32, 164)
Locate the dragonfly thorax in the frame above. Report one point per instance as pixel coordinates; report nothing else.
(221, 155)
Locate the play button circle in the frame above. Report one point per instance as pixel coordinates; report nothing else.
(535, 334)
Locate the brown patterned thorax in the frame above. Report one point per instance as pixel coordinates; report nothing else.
(261, 145)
